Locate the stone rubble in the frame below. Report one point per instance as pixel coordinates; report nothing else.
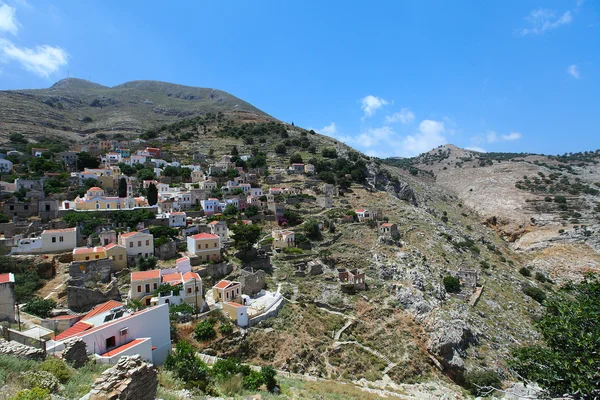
(20, 350)
(130, 379)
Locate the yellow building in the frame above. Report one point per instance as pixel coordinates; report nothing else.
(205, 245)
(226, 291)
(88, 253)
(95, 200)
(115, 252)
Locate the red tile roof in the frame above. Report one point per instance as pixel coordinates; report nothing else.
(201, 236)
(231, 303)
(111, 245)
(61, 317)
(101, 308)
(5, 278)
(182, 259)
(128, 234)
(143, 275)
(94, 188)
(60, 230)
(222, 284)
(172, 278)
(122, 348)
(79, 327)
(190, 275)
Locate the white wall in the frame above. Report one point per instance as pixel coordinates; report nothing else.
(144, 349)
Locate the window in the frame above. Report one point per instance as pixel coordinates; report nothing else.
(87, 258)
(189, 290)
(111, 342)
(227, 295)
(215, 245)
(206, 246)
(237, 291)
(47, 207)
(120, 256)
(12, 208)
(139, 288)
(53, 239)
(199, 247)
(155, 286)
(26, 207)
(61, 239)
(130, 244)
(207, 258)
(147, 302)
(124, 331)
(139, 243)
(197, 289)
(147, 288)
(97, 256)
(147, 242)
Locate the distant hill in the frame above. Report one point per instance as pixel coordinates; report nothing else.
(73, 108)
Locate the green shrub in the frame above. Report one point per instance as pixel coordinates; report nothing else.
(451, 284)
(540, 277)
(482, 382)
(253, 380)
(58, 368)
(32, 394)
(40, 307)
(268, 373)
(560, 199)
(186, 365)
(226, 328)
(40, 379)
(525, 271)
(535, 293)
(204, 331)
(292, 250)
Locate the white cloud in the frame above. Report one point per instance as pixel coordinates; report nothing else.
(477, 149)
(329, 130)
(542, 20)
(405, 116)
(374, 136)
(370, 104)
(512, 136)
(8, 20)
(492, 137)
(42, 60)
(573, 70)
(429, 136)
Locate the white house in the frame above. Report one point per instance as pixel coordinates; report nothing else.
(137, 244)
(220, 229)
(110, 331)
(50, 241)
(256, 192)
(5, 165)
(177, 219)
(364, 215)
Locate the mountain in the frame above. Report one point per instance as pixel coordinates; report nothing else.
(74, 109)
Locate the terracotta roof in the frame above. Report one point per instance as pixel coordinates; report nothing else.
(5, 278)
(171, 278)
(143, 275)
(111, 245)
(131, 234)
(101, 308)
(201, 236)
(94, 188)
(214, 222)
(232, 303)
(360, 211)
(86, 250)
(225, 283)
(387, 224)
(190, 275)
(182, 259)
(122, 348)
(79, 327)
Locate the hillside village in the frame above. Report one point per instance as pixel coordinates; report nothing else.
(259, 242)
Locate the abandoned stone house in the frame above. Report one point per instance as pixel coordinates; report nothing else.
(353, 278)
(388, 229)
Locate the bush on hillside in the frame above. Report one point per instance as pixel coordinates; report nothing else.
(204, 331)
(481, 383)
(451, 284)
(535, 293)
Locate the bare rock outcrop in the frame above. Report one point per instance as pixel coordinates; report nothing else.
(130, 379)
(448, 341)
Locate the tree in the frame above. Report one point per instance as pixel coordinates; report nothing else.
(296, 158)
(329, 153)
(268, 373)
(186, 365)
(170, 171)
(230, 210)
(245, 236)
(569, 362)
(144, 264)
(451, 284)
(234, 151)
(280, 149)
(145, 174)
(40, 307)
(152, 194)
(86, 160)
(251, 211)
(204, 331)
(122, 187)
(312, 230)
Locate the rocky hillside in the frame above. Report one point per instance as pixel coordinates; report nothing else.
(547, 207)
(75, 109)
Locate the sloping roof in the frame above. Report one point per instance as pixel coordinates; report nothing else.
(60, 230)
(122, 348)
(175, 277)
(225, 284)
(143, 275)
(128, 234)
(101, 308)
(182, 259)
(111, 245)
(94, 188)
(190, 275)
(5, 278)
(78, 327)
(201, 236)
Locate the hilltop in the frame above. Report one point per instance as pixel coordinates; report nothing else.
(75, 109)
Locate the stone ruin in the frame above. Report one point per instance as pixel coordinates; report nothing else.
(75, 353)
(85, 287)
(467, 277)
(252, 282)
(130, 379)
(312, 267)
(13, 348)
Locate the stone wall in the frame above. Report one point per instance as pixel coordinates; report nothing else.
(215, 270)
(167, 251)
(92, 270)
(130, 379)
(80, 298)
(252, 282)
(75, 353)
(20, 350)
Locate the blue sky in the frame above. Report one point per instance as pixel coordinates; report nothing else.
(391, 78)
